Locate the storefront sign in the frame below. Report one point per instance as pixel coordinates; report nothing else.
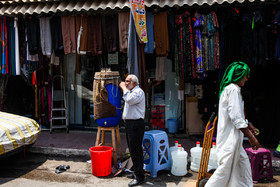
(113, 58)
(139, 15)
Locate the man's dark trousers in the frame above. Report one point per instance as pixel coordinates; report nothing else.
(135, 131)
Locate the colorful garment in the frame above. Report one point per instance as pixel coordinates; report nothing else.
(216, 47)
(198, 42)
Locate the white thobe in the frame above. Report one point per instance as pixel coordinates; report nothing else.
(234, 168)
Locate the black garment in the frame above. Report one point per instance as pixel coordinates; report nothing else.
(56, 33)
(33, 34)
(135, 131)
(111, 33)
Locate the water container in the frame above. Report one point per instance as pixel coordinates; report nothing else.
(107, 98)
(114, 97)
(213, 159)
(172, 125)
(174, 148)
(195, 157)
(180, 163)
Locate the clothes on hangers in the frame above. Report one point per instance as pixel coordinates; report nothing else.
(149, 47)
(69, 33)
(95, 35)
(45, 35)
(123, 30)
(33, 33)
(161, 34)
(111, 22)
(56, 33)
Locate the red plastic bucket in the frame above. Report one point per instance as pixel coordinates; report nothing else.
(101, 160)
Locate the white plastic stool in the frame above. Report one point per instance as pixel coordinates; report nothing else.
(156, 152)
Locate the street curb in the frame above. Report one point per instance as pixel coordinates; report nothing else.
(60, 151)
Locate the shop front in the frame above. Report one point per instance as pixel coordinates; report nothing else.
(190, 43)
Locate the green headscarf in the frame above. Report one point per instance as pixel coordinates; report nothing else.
(234, 73)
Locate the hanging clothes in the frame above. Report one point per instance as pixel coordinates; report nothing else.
(142, 67)
(185, 46)
(30, 57)
(82, 34)
(149, 47)
(191, 45)
(111, 22)
(188, 45)
(211, 32)
(205, 44)
(17, 56)
(33, 34)
(95, 36)
(123, 30)
(56, 34)
(216, 42)
(132, 57)
(161, 70)
(161, 34)
(34, 82)
(11, 46)
(45, 35)
(69, 33)
(198, 42)
(179, 26)
(4, 66)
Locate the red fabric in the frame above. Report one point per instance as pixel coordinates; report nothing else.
(34, 78)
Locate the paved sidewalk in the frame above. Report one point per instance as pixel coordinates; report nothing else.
(79, 142)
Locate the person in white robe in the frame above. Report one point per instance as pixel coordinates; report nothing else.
(234, 169)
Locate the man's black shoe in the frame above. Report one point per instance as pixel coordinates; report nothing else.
(136, 182)
(131, 176)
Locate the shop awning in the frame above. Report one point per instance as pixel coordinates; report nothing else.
(25, 7)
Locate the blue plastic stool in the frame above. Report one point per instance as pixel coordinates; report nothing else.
(156, 152)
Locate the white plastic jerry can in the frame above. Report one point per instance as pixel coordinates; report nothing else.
(195, 157)
(180, 163)
(173, 148)
(213, 159)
